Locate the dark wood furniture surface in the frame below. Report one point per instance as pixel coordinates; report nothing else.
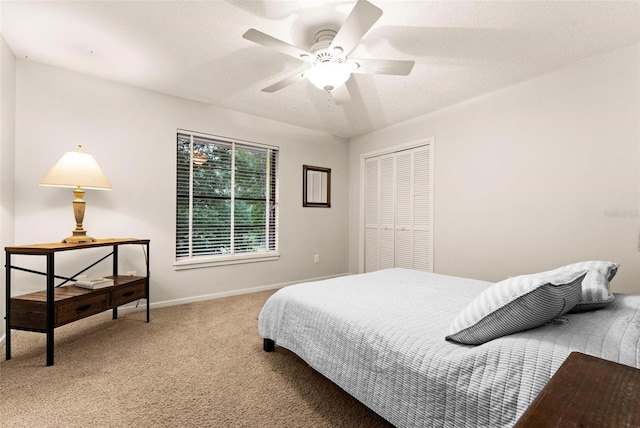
(43, 311)
(585, 392)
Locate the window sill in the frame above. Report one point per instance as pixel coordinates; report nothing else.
(211, 261)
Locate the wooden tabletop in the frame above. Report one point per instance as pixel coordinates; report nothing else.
(62, 246)
(586, 392)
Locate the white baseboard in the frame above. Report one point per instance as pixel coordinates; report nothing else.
(182, 301)
(175, 302)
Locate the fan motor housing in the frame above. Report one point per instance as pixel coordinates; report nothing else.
(320, 48)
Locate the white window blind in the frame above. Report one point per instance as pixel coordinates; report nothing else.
(226, 204)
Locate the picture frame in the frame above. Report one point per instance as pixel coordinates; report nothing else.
(316, 186)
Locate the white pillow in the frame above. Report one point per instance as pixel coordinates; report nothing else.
(517, 304)
(595, 286)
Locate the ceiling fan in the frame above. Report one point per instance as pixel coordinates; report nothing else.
(329, 64)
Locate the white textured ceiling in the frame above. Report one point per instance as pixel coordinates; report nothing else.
(195, 50)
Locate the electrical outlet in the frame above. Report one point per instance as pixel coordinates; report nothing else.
(316, 258)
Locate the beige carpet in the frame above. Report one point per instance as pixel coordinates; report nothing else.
(195, 365)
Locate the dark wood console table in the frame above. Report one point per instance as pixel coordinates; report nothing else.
(43, 311)
(587, 392)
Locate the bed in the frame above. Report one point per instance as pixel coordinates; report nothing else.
(380, 336)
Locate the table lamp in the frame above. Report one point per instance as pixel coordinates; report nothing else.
(78, 170)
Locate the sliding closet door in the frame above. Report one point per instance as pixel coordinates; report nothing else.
(398, 210)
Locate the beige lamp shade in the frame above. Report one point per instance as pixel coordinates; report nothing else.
(80, 171)
(77, 169)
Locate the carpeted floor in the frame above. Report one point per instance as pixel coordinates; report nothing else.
(195, 365)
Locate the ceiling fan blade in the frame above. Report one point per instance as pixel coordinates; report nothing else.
(359, 21)
(341, 94)
(290, 80)
(268, 41)
(381, 66)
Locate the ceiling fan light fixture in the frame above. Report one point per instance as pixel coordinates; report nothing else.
(329, 66)
(328, 75)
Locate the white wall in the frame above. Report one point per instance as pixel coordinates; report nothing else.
(132, 134)
(528, 178)
(7, 140)
(532, 177)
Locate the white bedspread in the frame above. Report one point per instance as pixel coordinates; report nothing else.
(380, 337)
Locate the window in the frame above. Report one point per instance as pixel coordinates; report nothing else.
(226, 208)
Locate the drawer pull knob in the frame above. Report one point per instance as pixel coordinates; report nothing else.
(82, 308)
(127, 294)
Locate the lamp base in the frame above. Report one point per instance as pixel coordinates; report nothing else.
(79, 234)
(78, 237)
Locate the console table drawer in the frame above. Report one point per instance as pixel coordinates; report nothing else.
(89, 305)
(129, 293)
(28, 316)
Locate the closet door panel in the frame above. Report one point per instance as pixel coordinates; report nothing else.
(371, 253)
(422, 257)
(386, 212)
(386, 198)
(398, 210)
(403, 188)
(422, 242)
(385, 250)
(422, 189)
(403, 253)
(403, 208)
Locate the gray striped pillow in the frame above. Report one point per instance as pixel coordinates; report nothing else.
(595, 286)
(517, 304)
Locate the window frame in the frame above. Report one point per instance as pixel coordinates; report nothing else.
(192, 261)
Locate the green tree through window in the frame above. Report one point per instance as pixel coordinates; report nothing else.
(226, 197)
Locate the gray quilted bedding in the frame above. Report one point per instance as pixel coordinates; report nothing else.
(380, 337)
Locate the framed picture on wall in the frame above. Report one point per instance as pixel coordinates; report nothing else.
(316, 186)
